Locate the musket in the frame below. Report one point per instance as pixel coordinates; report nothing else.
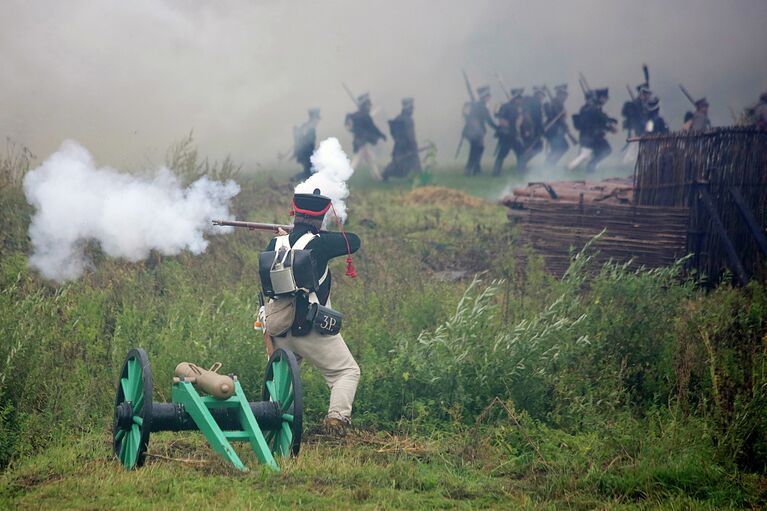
(349, 92)
(646, 72)
(473, 99)
(503, 86)
(458, 149)
(687, 94)
(548, 92)
(545, 130)
(585, 83)
(254, 226)
(631, 94)
(468, 86)
(584, 88)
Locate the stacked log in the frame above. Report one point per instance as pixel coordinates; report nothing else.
(646, 236)
(609, 191)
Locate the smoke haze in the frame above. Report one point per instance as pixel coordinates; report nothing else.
(331, 170)
(77, 202)
(129, 78)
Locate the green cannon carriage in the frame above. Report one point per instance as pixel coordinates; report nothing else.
(272, 426)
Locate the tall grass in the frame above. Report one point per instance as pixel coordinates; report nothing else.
(612, 362)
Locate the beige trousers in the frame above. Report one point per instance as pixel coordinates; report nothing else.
(366, 156)
(332, 357)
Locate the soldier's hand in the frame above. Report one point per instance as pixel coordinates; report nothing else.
(281, 231)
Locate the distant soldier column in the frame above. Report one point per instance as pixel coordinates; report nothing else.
(304, 142)
(404, 156)
(366, 135)
(476, 116)
(556, 130)
(509, 118)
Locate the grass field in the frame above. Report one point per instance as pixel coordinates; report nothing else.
(610, 389)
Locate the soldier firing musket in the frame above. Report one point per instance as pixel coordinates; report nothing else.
(297, 314)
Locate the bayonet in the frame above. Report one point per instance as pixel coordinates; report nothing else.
(351, 95)
(687, 94)
(503, 86)
(468, 86)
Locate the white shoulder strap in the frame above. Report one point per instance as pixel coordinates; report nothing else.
(304, 240)
(281, 242)
(301, 244)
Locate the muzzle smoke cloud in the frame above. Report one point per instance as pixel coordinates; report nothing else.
(332, 169)
(129, 216)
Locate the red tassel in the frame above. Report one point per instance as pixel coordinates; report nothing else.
(350, 270)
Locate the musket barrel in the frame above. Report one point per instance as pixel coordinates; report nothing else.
(254, 226)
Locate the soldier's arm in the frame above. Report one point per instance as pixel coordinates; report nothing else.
(332, 244)
(489, 119)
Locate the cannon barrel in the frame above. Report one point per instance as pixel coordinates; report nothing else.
(173, 417)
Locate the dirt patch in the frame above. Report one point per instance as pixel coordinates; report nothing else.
(442, 196)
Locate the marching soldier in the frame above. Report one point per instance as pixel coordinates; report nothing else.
(326, 351)
(476, 116)
(304, 141)
(531, 128)
(593, 125)
(633, 112)
(404, 156)
(556, 121)
(700, 121)
(507, 133)
(655, 124)
(366, 135)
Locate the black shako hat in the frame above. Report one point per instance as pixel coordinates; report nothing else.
(311, 204)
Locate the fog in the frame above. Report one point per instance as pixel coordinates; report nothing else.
(127, 79)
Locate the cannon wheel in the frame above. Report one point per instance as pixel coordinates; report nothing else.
(282, 384)
(133, 410)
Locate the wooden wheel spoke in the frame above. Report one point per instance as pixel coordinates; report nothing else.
(284, 383)
(288, 401)
(134, 378)
(135, 436)
(286, 439)
(138, 404)
(120, 435)
(124, 446)
(127, 396)
(271, 389)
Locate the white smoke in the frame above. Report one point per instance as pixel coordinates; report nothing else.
(129, 216)
(332, 170)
